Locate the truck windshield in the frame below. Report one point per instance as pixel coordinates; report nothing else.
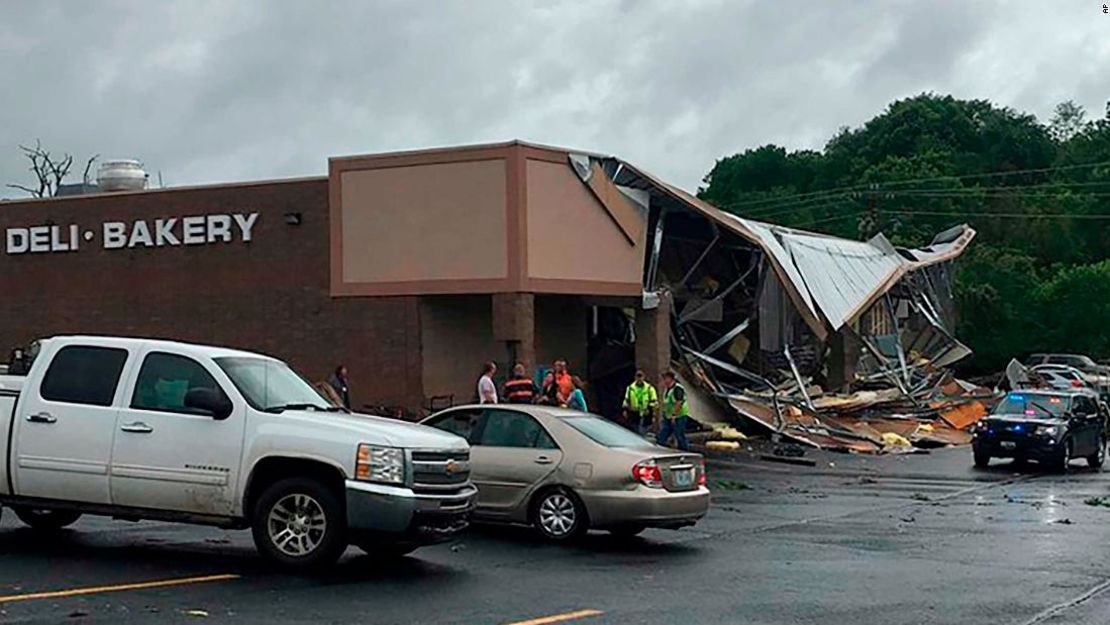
(271, 386)
(1033, 405)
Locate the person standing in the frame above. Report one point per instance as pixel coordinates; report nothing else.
(550, 395)
(675, 412)
(564, 381)
(577, 399)
(640, 403)
(520, 389)
(341, 385)
(487, 390)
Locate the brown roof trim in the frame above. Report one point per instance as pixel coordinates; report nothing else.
(199, 187)
(461, 149)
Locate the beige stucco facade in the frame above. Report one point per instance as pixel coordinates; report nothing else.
(506, 218)
(436, 222)
(571, 236)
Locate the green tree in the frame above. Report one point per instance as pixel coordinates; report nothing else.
(1068, 120)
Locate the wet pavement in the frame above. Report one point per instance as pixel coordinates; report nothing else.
(859, 540)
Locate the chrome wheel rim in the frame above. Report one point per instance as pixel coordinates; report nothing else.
(557, 515)
(297, 525)
(1101, 450)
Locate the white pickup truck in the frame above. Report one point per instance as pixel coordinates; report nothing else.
(143, 429)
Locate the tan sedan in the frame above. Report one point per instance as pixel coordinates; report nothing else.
(565, 472)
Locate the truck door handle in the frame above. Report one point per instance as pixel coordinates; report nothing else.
(137, 427)
(543, 460)
(42, 417)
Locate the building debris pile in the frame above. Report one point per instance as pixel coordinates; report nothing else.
(828, 342)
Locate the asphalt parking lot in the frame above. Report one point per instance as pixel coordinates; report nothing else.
(858, 540)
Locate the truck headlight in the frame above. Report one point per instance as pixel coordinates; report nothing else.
(380, 464)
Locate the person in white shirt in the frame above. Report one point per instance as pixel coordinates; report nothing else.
(487, 390)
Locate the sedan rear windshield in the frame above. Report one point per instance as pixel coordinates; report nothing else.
(1036, 405)
(605, 432)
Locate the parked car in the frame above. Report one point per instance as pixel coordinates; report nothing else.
(1048, 426)
(1062, 377)
(139, 429)
(565, 472)
(1077, 361)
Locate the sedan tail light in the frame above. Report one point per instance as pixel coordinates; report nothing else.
(1076, 383)
(648, 474)
(701, 472)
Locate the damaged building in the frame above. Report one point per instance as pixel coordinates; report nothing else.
(413, 268)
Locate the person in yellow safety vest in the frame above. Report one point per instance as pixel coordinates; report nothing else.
(640, 403)
(675, 412)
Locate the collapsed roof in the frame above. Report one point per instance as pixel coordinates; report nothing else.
(757, 300)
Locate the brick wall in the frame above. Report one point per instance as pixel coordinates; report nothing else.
(269, 295)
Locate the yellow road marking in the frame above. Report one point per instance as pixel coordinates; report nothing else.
(559, 618)
(77, 592)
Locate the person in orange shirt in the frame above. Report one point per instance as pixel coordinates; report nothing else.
(564, 380)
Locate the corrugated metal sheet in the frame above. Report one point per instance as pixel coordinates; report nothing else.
(842, 277)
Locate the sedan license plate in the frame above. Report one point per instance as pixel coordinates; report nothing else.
(1009, 445)
(685, 477)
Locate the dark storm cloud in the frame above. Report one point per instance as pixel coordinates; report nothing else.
(222, 91)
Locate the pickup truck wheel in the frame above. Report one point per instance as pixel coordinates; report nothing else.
(46, 519)
(300, 523)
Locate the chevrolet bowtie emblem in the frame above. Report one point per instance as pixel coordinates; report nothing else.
(452, 467)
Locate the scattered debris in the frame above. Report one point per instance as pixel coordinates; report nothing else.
(722, 445)
(1103, 502)
(78, 614)
(731, 485)
(1062, 521)
(920, 497)
(197, 613)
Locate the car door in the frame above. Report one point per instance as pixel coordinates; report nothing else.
(172, 457)
(63, 433)
(512, 454)
(1086, 415)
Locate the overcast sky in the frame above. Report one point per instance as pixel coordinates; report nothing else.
(225, 90)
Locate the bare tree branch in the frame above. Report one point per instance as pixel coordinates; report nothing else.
(23, 188)
(48, 171)
(88, 165)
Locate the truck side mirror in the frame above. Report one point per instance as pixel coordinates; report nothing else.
(210, 401)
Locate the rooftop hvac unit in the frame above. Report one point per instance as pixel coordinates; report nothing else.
(121, 175)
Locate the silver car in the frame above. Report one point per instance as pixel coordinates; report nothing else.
(565, 472)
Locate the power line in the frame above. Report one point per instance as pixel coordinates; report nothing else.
(1096, 216)
(879, 186)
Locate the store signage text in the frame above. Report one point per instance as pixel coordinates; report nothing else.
(115, 235)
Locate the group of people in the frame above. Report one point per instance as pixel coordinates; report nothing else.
(641, 408)
(559, 388)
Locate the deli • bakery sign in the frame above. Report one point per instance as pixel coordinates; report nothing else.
(117, 235)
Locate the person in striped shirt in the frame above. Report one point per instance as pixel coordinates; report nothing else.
(520, 389)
